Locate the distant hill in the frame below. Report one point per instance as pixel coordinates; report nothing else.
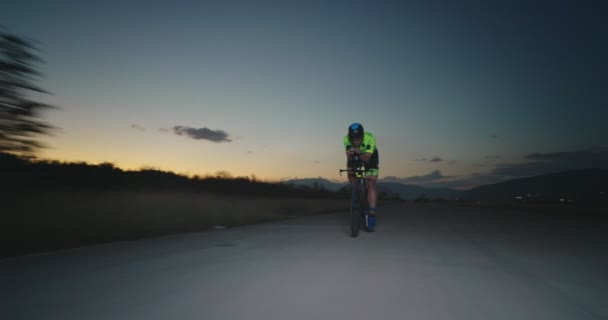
(312, 182)
(405, 191)
(583, 186)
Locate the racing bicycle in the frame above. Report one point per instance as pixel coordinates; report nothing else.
(359, 206)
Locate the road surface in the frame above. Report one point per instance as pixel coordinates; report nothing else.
(426, 261)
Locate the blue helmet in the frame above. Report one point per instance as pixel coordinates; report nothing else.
(355, 130)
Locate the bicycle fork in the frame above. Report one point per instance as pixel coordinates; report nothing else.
(363, 201)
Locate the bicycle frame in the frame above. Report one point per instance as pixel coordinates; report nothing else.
(359, 203)
(360, 174)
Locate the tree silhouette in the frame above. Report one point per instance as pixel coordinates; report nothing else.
(21, 122)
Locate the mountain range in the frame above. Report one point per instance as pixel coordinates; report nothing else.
(585, 186)
(582, 186)
(405, 191)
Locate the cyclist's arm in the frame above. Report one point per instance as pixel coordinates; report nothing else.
(348, 148)
(349, 156)
(351, 152)
(366, 157)
(368, 151)
(355, 155)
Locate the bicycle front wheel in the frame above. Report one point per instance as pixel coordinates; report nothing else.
(355, 212)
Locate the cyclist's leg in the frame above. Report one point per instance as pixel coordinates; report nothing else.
(372, 178)
(351, 176)
(372, 194)
(352, 179)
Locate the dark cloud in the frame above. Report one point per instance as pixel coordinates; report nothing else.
(523, 169)
(592, 157)
(537, 164)
(472, 181)
(138, 127)
(433, 176)
(436, 159)
(461, 182)
(596, 157)
(317, 162)
(421, 159)
(495, 136)
(492, 157)
(540, 163)
(202, 134)
(453, 162)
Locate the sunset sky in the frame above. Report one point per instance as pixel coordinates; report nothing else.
(458, 94)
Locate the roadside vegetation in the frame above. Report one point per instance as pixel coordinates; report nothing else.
(49, 205)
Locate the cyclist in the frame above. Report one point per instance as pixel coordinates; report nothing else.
(363, 144)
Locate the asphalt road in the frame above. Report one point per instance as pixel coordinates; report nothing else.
(425, 261)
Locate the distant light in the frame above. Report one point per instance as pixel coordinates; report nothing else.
(562, 200)
(519, 198)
